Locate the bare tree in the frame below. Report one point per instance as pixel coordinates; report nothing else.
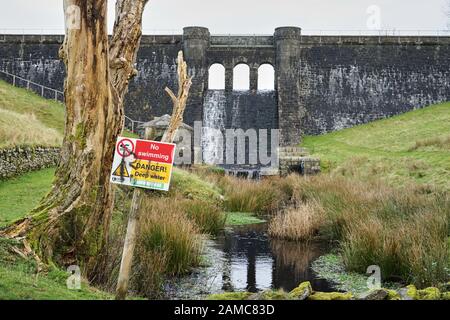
(71, 223)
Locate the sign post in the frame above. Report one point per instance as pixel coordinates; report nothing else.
(160, 179)
(144, 164)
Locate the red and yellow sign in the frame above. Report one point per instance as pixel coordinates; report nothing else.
(143, 163)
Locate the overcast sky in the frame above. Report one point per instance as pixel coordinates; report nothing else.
(242, 16)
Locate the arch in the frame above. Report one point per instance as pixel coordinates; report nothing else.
(266, 77)
(241, 77)
(216, 77)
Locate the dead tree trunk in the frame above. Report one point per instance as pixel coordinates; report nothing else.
(71, 223)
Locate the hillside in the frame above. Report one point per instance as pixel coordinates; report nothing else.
(28, 119)
(412, 147)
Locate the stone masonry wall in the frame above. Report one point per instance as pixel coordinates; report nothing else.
(347, 85)
(19, 160)
(323, 83)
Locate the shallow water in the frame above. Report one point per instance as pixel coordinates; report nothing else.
(246, 259)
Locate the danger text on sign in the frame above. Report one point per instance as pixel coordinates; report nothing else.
(143, 163)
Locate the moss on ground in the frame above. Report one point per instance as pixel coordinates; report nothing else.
(430, 293)
(330, 296)
(229, 296)
(302, 291)
(242, 218)
(305, 292)
(331, 267)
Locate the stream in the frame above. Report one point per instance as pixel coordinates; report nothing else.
(245, 258)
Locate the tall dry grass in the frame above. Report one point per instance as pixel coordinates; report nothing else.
(413, 249)
(259, 197)
(300, 222)
(208, 217)
(440, 143)
(164, 227)
(25, 129)
(168, 244)
(404, 231)
(342, 201)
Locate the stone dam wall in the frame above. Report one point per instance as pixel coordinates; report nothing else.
(322, 83)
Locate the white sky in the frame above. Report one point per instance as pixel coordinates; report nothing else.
(241, 16)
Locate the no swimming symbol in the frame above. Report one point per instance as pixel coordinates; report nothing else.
(125, 148)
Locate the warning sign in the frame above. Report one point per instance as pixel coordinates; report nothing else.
(121, 171)
(143, 163)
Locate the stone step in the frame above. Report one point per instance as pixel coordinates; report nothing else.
(292, 149)
(292, 152)
(304, 165)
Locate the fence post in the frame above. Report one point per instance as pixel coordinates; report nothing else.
(28, 85)
(14, 81)
(42, 91)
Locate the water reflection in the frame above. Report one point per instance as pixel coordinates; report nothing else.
(255, 262)
(246, 259)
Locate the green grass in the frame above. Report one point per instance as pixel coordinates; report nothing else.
(30, 132)
(191, 186)
(37, 121)
(412, 147)
(20, 195)
(128, 134)
(20, 282)
(41, 120)
(242, 218)
(51, 113)
(209, 218)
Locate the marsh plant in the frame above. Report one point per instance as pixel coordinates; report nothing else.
(299, 222)
(402, 230)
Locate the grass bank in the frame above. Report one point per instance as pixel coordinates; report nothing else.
(19, 280)
(28, 119)
(410, 148)
(21, 194)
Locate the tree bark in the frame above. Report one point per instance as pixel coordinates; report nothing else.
(71, 223)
